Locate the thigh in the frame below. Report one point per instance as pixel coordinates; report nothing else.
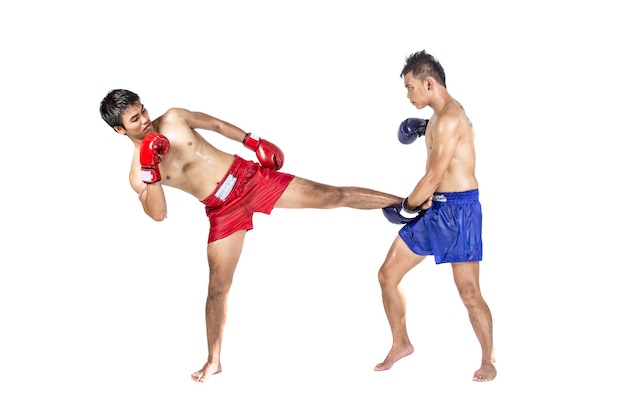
(399, 260)
(223, 256)
(303, 193)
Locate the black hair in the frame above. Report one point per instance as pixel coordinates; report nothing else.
(422, 64)
(115, 103)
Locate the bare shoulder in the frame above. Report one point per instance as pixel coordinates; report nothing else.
(452, 117)
(174, 123)
(459, 112)
(175, 115)
(446, 123)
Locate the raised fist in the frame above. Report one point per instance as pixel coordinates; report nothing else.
(410, 129)
(153, 147)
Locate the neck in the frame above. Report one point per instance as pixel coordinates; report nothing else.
(440, 101)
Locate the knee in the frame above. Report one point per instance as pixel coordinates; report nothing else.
(333, 197)
(219, 286)
(384, 278)
(470, 296)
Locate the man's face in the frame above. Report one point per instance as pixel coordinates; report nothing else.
(415, 91)
(136, 122)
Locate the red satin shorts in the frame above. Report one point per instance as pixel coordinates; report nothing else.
(247, 188)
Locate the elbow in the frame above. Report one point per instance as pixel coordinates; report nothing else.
(158, 215)
(433, 182)
(159, 218)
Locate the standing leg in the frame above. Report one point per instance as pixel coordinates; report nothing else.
(466, 280)
(400, 259)
(223, 256)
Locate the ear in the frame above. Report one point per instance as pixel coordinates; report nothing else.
(119, 129)
(429, 83)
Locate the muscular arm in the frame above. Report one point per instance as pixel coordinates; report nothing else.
(444, 137)
(151, 196)
(199, 120)
(268, 154)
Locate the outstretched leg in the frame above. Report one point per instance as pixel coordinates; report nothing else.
(466, 280)
(303, 193)
(223, 256)
(400, 259)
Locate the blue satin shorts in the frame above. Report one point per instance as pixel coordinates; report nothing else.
(451, 230)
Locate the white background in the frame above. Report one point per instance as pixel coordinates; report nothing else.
(101, 309)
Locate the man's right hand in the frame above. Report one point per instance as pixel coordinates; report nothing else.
(153, 147)
(268, 154)
(399, 214)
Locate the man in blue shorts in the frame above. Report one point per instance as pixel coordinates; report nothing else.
(442, 216)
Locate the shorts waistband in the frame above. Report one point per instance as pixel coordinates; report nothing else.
(456, 197)
(236, 171)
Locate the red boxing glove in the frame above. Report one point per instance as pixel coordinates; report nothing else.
(153, 147)
(268, 154)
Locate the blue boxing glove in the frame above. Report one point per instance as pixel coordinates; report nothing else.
(399, 214)
(411, 129)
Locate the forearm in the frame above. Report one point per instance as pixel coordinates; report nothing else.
(153, 147)
(204, 121)
(422, 193)
(153, 199)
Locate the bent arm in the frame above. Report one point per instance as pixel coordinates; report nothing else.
(152, 197)
(445, 137)
(199, 120)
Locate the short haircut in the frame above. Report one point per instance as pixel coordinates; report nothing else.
(422, 64)
(115, 103)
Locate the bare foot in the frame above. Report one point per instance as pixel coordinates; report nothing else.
(394, 355)
(207, 370)
(487, 372)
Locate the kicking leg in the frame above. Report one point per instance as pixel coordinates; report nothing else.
(466, 280)
(223, 256)
(303, 193)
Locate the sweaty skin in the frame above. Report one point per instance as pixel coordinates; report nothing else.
(195, 166)
(450, 167)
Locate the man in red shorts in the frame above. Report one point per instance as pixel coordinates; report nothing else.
(169, 151)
